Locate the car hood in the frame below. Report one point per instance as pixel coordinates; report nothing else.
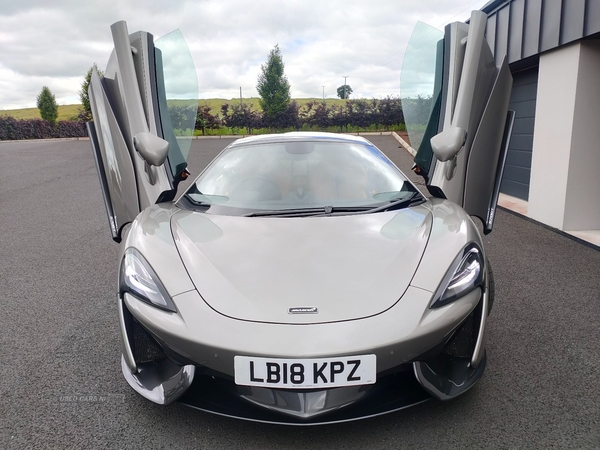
(329, 268)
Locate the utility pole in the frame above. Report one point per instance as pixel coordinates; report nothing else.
(240, 95)
(323, 92)
(345, 90)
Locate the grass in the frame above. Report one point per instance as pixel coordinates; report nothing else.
(66, 112)
(215, 103)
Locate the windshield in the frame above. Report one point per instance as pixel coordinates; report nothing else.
(296, 174)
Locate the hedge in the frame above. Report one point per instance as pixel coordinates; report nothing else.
(17, 129)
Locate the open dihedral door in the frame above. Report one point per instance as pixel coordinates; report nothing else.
(143, 122)
(463, 127)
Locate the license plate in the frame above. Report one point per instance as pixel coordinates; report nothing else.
(305, 373)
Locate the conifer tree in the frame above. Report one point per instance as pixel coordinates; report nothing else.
(46, 103)
(273, 86)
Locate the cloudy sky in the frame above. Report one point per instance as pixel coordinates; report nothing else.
(53, 43)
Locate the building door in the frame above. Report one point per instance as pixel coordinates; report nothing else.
(517, 170)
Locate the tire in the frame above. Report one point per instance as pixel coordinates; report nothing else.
(492, 286)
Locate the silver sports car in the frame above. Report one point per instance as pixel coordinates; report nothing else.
(301, 278)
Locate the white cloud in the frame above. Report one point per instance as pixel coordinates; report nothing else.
(54, 43)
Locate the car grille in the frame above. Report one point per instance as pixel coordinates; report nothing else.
(462, 343)
(145, 348)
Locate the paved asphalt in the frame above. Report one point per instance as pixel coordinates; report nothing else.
(61, 385)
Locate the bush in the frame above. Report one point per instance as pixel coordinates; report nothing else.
(242, 116)
(15, 129)
(355, 115)
(205, 120)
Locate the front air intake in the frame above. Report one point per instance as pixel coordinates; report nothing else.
(462, 343)
(145, 348)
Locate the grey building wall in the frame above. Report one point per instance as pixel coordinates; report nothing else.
(523, 29)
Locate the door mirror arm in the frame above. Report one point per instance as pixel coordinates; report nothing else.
(150, 171)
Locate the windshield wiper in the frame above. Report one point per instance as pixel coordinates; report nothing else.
(415, 199)
(305, 212)
(395, 204)
(338, 210)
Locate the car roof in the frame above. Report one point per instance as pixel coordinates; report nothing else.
(300, 136)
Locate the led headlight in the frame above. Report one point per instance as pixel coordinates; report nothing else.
(137, 278)
(465, 275)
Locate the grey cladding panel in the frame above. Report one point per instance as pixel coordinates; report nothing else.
(518, 162)
(524, 28)
(592, 17)
(515, 38)
(551, 15)
(502, 18)
(532, 23)
(572, 21)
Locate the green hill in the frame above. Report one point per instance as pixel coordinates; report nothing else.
(215, 103)
(67, 112)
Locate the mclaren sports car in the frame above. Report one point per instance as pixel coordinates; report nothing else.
(301, 278)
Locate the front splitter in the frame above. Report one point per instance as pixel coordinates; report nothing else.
(289, 407)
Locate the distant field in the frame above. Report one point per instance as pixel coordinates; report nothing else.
(215, 103)
(66, 112)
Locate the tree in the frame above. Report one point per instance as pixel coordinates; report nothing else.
(182, 117)
(289, 118)
(241, 116)
(344, 91)
(46, 103)
(360, 113)
(273, 86)
(205, 119)
(318, 115)
(85, 112)
(390, 110)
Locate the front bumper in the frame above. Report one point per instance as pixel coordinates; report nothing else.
(420, 362)
(289, 407)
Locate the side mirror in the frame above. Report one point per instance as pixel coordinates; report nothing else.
(153, 149)
(448, 143)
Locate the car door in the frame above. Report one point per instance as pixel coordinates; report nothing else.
(144, 111)
(455, 102)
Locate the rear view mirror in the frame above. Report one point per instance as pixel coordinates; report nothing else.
(448, 143)
(153, 149)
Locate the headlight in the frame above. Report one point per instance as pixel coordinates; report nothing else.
(137, 277)
(465, 275)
